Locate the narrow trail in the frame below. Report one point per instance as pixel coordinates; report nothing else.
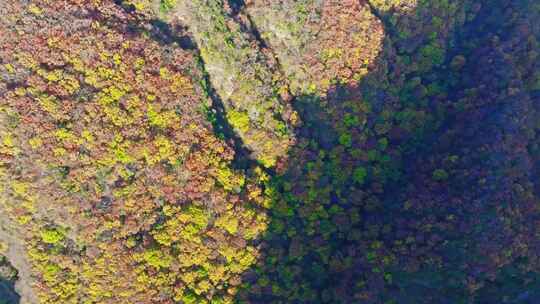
(16, 255)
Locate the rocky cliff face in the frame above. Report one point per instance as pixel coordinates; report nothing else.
(260, 151)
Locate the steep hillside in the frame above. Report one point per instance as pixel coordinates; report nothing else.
(261, 151)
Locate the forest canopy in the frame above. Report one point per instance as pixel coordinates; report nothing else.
(269, 151)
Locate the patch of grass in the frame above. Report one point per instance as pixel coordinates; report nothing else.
(167, 5)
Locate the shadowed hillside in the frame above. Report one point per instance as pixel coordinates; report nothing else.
(414, 184)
